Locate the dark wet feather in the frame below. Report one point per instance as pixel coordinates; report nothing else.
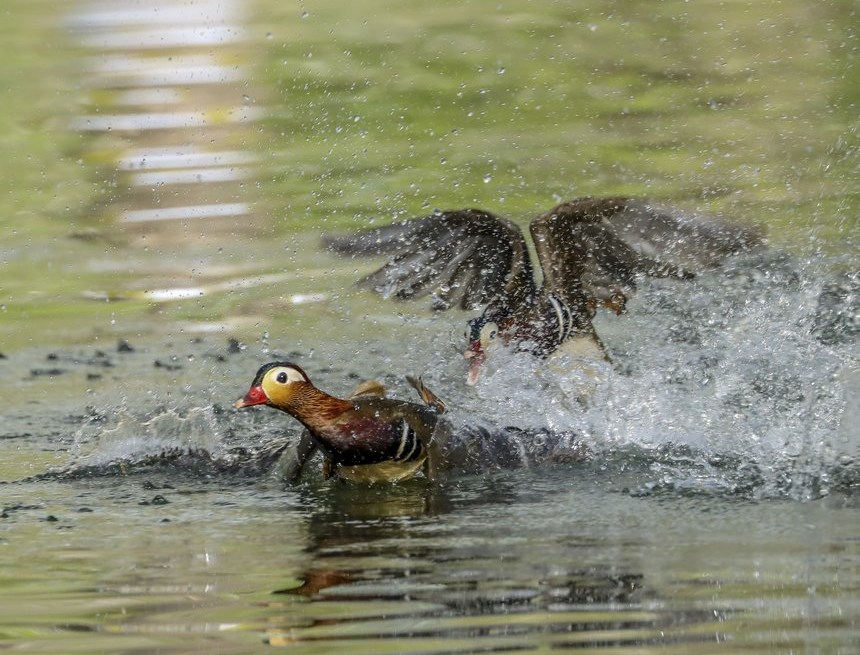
(600, 246)
(464, 257)
(691, 240)
(592, 248)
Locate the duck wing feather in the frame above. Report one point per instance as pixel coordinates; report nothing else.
(597, 247)
(463, 257)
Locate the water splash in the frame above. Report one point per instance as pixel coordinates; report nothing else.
(195, 443)
(125, 434)
(723, 385)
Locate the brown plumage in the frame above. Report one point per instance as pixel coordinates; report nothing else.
(366, 438)
(590, 251)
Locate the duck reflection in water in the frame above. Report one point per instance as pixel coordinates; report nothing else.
(372, 548)
(590, 253)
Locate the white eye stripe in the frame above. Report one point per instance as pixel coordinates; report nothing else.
(292, 375)
(489, 331)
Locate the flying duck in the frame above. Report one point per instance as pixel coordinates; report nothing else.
(590, 252)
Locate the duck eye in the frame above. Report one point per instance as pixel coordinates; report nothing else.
(282, 377)
(489, 331)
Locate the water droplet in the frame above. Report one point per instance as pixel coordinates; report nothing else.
(487, 178)
(501, 70)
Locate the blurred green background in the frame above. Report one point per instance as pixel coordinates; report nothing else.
(380, 110)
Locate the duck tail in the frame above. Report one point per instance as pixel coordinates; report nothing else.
(430, 399)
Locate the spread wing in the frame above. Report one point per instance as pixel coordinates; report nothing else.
(599, 246)
(463, 257)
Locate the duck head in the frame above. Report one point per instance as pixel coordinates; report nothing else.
(275, 384)
(481, 334)
(536, 324)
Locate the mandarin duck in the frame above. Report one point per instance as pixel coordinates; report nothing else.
(364, 438)
(590, 252)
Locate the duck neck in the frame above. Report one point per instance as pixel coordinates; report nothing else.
(314, 408)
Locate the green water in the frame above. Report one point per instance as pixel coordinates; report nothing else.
(376, 111)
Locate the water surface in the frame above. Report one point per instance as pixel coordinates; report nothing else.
(717, 512)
